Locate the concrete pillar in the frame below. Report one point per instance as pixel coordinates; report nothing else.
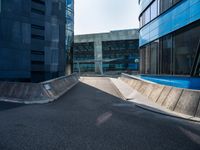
(98, 56)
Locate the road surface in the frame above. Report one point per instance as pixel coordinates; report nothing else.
(91, 116)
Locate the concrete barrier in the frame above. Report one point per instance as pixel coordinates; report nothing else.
(163, 95)
(21, 92)
(138, 85)
(173, 98)
(59, 86)
(188, 102)
(155, 92)
(198, 111)
(143, 87)
(148, 91)
(134, 83)
(183, 101)
(32, 93)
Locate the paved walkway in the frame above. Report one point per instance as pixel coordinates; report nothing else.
(92, 116)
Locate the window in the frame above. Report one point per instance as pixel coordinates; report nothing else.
(158, 6)
(37, 27)
(147, 61)
(154, 57)
(147, 16)
(141, 21)
(198, 68)
(165, 4)
(185, 46)
(37, 11)
(142, 60)
(154, 9)
(166, 55)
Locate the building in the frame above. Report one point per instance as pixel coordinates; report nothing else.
(169, 37)
(69, 35)
(32, 39)
(116, 51)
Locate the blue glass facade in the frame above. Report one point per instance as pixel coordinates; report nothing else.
(69, 34)
(169, 36)
(33, 39)
(182, 14)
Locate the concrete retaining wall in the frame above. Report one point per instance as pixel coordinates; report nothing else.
(56, 88)
(31, 93)
(183, 101)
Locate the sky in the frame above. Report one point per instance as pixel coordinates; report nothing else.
(96, 16)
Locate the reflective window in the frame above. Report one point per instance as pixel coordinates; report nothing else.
(154, 57)
(166, 55)
(147, 16)
(141, 21)
(154, 9)
(142, 60)
(175, 53)
(185, 46)
(198, 68)
(125, 52)
(165, 4)
(83, 53)
(147, 61)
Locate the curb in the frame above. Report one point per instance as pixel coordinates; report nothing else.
(165, 114)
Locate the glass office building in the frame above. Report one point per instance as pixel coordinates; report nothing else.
(169, 37)
(84, 52)
(116, 51)
(33, 39)
(124, 54)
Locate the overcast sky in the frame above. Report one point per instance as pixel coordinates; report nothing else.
(95, 16)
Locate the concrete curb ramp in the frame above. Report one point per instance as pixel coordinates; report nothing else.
(37, 93)
(184, 101)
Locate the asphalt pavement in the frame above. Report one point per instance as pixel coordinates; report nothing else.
(92, 116)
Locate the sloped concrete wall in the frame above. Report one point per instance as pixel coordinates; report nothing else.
(10, 91)
(31, 93)
(183, 101)
(56, 88)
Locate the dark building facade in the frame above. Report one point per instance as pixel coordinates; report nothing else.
(69, 35)
(169, 37)
(32, 39)
(116, 51)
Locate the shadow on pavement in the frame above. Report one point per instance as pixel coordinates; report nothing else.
(8, 105)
